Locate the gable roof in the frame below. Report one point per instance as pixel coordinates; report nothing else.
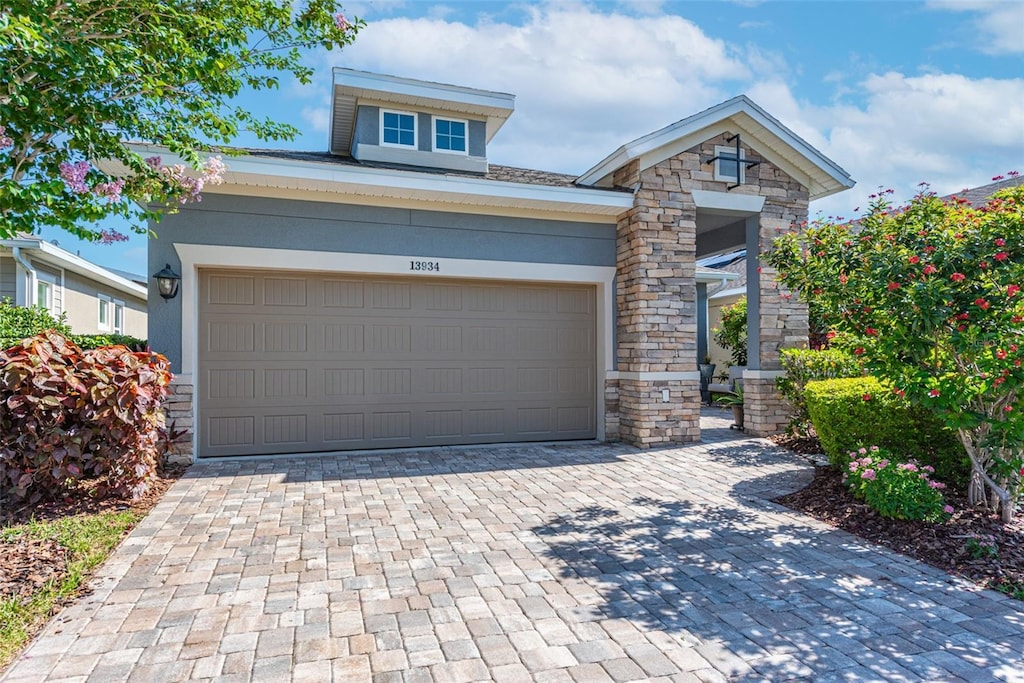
(52, 254)
(759, 129)
(979, 196)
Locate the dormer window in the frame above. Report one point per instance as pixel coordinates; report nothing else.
(398, 128)
(449, 135)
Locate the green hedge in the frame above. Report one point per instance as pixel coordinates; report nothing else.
(807, 365)
(861, 411)
(18, 323)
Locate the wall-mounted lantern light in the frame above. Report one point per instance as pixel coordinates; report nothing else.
(167, 282)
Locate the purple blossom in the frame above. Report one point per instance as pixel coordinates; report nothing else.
(868, 474)
(108, 236)
(74, 175)
(948, 509)
(341, 22)
(5, 140)
(112, 190)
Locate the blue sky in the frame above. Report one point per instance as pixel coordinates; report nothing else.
(894, 92)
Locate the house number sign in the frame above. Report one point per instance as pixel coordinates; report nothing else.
(425, 266)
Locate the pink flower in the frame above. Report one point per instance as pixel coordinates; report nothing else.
(871, 332)
(893, 286)
(929, 469)
(981, 303)
(929, 269)
(948, 509)
(866, 397)
(957, 277)
(914, 259)
(934, 393)
(341, 22)
(859, 351)
(74, 175)
(1011, 290)
(868, 474)
(1001, 256)
(5, 140)
(1000, 354)
(112, 190)
(937, 485)
(112, 236)
(1000, 242)
(862, 450)
(1007, 409)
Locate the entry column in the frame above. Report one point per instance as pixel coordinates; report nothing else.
(659, 386)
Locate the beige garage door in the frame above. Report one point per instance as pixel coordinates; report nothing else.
(303, 362)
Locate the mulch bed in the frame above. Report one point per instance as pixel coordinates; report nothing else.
(28, 563)
(940, 545)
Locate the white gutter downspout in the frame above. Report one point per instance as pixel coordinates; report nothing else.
(24, 295)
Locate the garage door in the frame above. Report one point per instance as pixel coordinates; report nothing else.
(303, 362)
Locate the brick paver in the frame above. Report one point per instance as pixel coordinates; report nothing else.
(574, 562)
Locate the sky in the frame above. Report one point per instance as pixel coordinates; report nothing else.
(896, 93)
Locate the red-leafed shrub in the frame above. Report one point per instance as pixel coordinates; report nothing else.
(68, 416)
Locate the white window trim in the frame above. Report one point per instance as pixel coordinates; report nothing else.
(118, 305)
(719, 150)
(109, 324)
(415, 129)
(56, 283)
(433, 135)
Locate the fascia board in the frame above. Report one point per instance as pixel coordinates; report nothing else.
(385, 182)
(394, 85)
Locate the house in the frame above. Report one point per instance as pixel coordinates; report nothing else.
(96, 300)
(401, 290)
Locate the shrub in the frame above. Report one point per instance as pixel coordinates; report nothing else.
(898, 490)
(803, 366)
(732, 331)
(18, 322)
(71, 415)
(848, 413)
(97, 341)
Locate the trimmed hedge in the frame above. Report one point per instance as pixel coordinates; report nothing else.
(71, 415)
(18, 323)
(807, 365)
(861, 411)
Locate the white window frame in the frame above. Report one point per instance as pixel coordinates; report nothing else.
(415, 129)
(104, 303)
(731, 151)
(433, 135)
(52, 282)
(117, 322)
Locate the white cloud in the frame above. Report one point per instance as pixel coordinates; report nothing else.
(1001, 23)
(586, 82)
(318, 118)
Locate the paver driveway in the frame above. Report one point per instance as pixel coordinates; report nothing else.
(552, 563)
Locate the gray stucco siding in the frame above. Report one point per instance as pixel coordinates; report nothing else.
(8, 278)
(477, 138)
(367, 125)
(227, 220)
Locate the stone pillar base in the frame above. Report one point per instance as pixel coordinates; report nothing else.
(647, 421)
(611, 410)
(178, 418)
(765, 412)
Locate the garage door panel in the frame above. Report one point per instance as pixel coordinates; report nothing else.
(298, 362)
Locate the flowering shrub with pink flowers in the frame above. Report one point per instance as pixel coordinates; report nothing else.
(900, 490)
(81, 78)
(930, 295)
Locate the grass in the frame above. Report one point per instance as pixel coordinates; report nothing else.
(89, 539)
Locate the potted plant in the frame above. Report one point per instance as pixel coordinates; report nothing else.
(731, 334)
(734, 400)
(707, 372)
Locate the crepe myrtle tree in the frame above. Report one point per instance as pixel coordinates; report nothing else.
(929, 296)
(80, 77)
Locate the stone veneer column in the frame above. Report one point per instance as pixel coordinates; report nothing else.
(781, 319)
(178, 418)
(658, 387)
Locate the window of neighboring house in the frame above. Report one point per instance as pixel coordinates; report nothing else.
(727, 166)
(105, 312)
(118, 316)
(398, 128)
(449, 135)
(46, 292)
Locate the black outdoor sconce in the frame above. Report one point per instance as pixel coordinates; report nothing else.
(167, 282)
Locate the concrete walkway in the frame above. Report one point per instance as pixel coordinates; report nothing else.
(582, 562)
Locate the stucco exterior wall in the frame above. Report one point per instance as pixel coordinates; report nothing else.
(291, 224)
(82, 306)
(8, 278)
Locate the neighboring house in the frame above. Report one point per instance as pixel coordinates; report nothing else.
(96, 300)
(400, 290)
